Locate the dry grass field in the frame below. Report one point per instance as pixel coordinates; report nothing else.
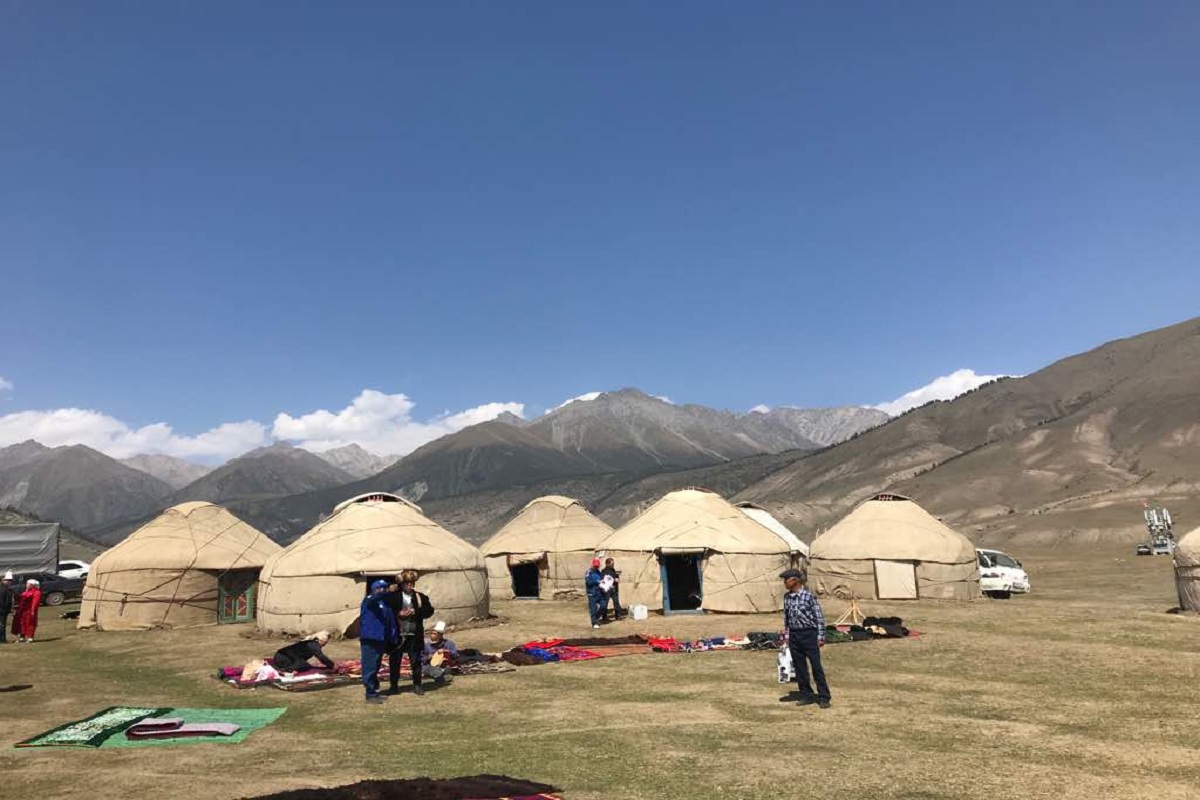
(1081, 690)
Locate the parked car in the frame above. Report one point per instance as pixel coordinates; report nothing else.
(1001, 575)
(1143, 549)
(56, 589)
(73, 569)
(1162, 546)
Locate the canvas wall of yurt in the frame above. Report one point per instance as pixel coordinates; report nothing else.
(544, 551)
(1187, 571)
(319, 581)
(695, 551)
(889, 548)
(194, 564)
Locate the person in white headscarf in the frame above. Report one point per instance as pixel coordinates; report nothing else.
(26, 619)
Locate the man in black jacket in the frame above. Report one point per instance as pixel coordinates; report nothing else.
(411, 609)
(6, 605)
(613, 594)
(295, 656)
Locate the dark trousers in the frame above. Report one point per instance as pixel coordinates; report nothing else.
(806, 651)
(412, 647)
(372, 651)
(4, 627)
(595, 607)
(615, 597)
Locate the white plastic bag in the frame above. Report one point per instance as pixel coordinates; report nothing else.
(787, 670)
(639, 612)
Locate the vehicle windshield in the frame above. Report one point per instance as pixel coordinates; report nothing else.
(1002, 560)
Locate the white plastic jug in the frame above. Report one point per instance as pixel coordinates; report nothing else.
(639, 612)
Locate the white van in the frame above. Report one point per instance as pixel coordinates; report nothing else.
(1001, 575)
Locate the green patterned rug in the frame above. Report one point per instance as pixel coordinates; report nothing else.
(107, 728)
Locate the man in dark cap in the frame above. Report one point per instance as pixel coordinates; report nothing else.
(805, 626)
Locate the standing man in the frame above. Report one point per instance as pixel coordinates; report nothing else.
(591, 582)
(6, 605)
(411, 609)
(376, 635)
(805, 637)
(614, 593)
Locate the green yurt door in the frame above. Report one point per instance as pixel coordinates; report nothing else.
(235, 596)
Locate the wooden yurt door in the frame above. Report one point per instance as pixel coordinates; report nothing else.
(895, 580)
(235, 595)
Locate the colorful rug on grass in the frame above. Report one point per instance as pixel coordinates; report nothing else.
(107, 728)
(248, 720)
(93, 731)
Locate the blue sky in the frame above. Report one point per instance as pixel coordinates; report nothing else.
(224, 212)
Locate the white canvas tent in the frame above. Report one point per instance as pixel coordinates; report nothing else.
(544, 550)
(889, 548)
(319, 581)
(1187, 571)
(693, 550)
(193, 564)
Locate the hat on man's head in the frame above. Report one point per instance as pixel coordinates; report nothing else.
(379, 584)
(440, 627)
(595, 562)
(792, 573)
(8, 575)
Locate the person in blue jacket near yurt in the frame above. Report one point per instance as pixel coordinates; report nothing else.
(377, 634)
(591, 582)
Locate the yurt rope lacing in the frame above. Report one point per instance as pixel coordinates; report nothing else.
(194, 599)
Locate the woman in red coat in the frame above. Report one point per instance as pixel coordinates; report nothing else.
(25, 621)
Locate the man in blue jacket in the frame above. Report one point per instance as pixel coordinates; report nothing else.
(591, 582)
(377, 634)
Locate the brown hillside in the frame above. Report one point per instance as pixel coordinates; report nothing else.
(1038, 457)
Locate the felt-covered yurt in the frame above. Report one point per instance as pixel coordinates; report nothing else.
(889, 548)
(546, 549)
(319, 581)
(695, 551)
(194, 564)
(1187, 571)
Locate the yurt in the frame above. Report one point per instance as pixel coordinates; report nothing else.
(545, 550)
(694, 551)
(193, 564)
(889, 548)
(319, 581)
(1187, 571)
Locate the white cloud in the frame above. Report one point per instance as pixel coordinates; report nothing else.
(63, 426)
(946, 387)
(382, 423)
(664, 398)
(586, 397)
(5, 385)
(760, 409)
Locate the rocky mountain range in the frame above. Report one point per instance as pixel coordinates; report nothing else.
(1064, 454)
(75, 485)
(356, 461)
(625, 433)
(174, 471)
(279, 469)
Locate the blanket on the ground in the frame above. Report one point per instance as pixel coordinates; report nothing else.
(103, 729)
